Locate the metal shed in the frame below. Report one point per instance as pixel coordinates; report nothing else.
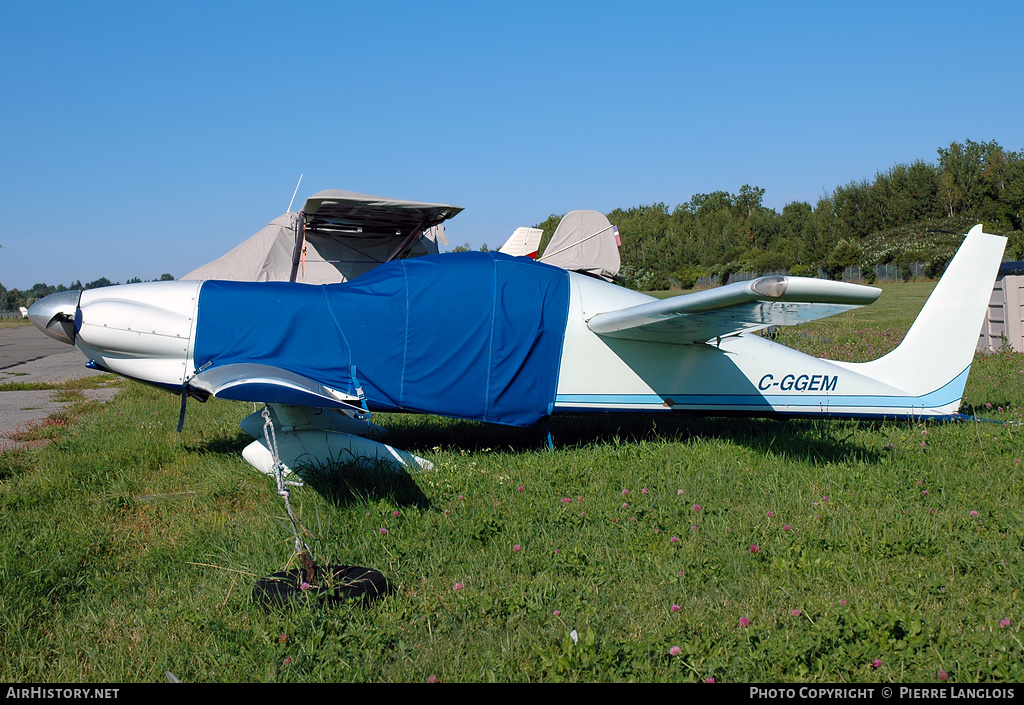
(1004, 324)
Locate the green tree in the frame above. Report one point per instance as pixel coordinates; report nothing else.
(844, 254)
(548, 227)
(962, 168)
(1012, 192)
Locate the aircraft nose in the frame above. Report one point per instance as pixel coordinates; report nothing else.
(55, 315)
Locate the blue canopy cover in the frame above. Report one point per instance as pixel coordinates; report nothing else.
(468, 335)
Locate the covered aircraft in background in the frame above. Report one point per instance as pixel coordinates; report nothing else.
(335, 237)
(585, 242)
(525, 242)
(340, 235)
(510, 340)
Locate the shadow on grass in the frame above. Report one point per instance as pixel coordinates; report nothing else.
(987, 408)
(221, 444)
(817, 440)
(338, 483)
(356, 482)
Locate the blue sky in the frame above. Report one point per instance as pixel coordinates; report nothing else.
(142, 138)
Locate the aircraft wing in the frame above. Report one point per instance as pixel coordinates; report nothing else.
(269, 384)
(728, 310)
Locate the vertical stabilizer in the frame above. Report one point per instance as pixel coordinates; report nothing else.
(940, 345)
(525, 242)
(585, 241)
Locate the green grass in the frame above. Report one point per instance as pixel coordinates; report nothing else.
(69, 387)
(864, 333)
(132, 550)
(14, 322)
(70, 393)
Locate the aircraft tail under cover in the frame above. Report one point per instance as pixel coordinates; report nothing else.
(585, 241)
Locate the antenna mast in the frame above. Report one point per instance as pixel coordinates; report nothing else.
(293, 194)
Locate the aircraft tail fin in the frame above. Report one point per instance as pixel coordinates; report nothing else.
(525, 242)
(585, 241)
(939, 347)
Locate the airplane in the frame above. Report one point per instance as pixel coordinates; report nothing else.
(524, 242)
(510, 340)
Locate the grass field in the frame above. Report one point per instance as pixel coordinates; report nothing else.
(12, 322)
(675, 549)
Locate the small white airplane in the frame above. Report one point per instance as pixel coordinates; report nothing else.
(509, 340)
(525, 242)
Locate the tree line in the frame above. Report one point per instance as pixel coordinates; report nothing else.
(909, 213)
(12, 299)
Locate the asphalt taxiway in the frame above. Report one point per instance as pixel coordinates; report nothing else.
(29, 357)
